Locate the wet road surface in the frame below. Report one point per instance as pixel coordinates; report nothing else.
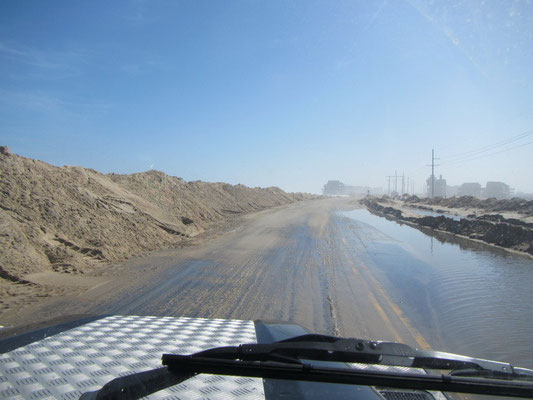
(292, 264)
(340, 272)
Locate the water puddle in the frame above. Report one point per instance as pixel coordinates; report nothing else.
(464, 296)
(435, 214)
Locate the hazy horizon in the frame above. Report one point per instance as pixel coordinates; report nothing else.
(273, 94)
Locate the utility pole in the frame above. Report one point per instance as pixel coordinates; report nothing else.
(388, 179)
(403, 183)
(433, 172)
(395, 182)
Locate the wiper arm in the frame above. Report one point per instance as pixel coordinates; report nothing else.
(311, 373)
(334, 349)
(292, 359)
(138, 385)
(265, 360)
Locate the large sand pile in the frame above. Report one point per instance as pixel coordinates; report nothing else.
(72, 220)
(516, 204)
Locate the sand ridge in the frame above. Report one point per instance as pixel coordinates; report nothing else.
(60, 222)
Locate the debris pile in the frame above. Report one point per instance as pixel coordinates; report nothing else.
(516, 204)
(509, 233)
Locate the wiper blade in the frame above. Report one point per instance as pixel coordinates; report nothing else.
(521, 374)
(293, 359)
(330, 348)
(311, 373)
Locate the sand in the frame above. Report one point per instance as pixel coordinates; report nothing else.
(62, 229)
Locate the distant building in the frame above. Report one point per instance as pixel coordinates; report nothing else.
(333, 188)
(336, 188)
(470, 189)
(498, 190)
(440, 187)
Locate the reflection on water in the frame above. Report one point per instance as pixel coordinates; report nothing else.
(464, 297)
(435, 214)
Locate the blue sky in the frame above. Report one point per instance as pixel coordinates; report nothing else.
(266, 93)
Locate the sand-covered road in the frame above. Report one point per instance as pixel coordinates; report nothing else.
(288, 263)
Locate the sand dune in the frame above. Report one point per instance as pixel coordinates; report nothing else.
(74, 221)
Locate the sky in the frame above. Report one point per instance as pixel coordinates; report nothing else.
(272, 93)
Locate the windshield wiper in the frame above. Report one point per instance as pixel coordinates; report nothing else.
(295, 359)
(334, 349)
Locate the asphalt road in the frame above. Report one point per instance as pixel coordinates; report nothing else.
(291, 263)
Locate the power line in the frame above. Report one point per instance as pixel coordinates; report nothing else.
(491, 154)
(492, 146)
(484, 149)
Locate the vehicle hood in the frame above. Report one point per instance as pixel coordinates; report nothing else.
(69, 359)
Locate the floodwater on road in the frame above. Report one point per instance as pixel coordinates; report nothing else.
(435, 214)
(463, 296)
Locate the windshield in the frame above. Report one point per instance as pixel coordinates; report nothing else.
(360, 168)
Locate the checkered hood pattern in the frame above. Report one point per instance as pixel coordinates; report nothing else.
(83, 359)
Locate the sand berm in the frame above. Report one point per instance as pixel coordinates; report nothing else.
(74, 220)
